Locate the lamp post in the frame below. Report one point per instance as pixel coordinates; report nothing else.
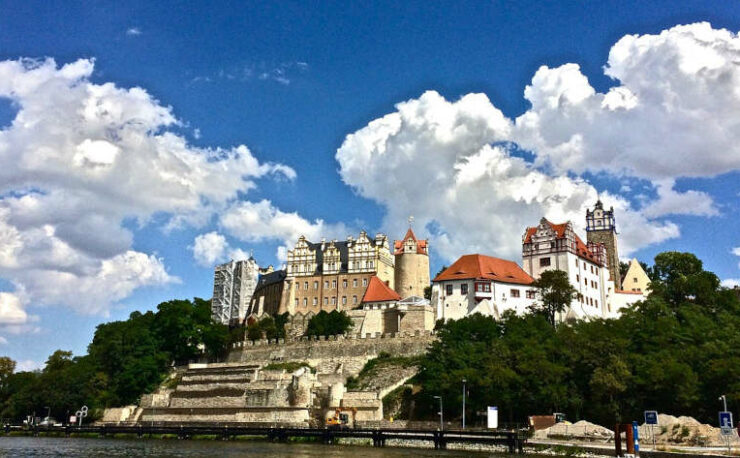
(463, 418)
(441, 414)
(723, 398)
(48, 415)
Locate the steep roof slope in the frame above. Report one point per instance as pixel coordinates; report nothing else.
(478, 266)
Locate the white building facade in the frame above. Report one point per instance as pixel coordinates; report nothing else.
(481, 284)
(550, 246)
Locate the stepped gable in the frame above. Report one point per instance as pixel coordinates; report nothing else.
(377, 291)
(478, 266)
(581, 248)
(421, 245)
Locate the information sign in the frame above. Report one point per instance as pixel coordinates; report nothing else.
(651, 417)
(725, 423)
(492, 417)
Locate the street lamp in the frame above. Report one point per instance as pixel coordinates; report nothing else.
(723, 398)
(441, 414)
(463, 423)
(48, 415)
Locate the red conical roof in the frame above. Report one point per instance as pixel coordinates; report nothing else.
(378, 291)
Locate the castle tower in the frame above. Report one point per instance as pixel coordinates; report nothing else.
(412, 265)
(601, 228)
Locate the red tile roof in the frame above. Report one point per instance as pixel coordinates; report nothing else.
(421, 245)
(581, 248)
(478, 266)
(378, 291)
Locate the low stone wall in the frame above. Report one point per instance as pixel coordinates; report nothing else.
(296, 416)
(336, 354)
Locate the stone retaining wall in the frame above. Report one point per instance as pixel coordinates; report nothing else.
(336, 354)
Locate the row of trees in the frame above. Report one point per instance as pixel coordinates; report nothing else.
(131, 357)
(675, 352)
(125, 359)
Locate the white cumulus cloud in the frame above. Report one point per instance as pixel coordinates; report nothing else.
(78, 160)
(443, 163)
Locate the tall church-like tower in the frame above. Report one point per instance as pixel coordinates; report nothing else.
(601, 228)
(411, 272)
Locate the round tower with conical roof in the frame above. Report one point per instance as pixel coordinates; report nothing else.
(411, 266)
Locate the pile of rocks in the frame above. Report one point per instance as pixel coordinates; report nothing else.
(582, 430)
(685, 431)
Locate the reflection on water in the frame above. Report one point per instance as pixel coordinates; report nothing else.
(49, 446)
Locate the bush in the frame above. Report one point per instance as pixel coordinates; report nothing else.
(329, 324)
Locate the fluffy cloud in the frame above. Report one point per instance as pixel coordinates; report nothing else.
(670, 115)
(673, 114)
(444, 163)
(212, 247)
(11, 310)
(81, 158)
(261, 221)
(671, 202)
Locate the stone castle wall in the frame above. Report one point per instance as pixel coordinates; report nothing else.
(345, 355)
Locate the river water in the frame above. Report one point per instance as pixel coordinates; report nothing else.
(79, 447)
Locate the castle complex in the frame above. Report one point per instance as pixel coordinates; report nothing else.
(380, 288)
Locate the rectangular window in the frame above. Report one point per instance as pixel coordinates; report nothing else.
(315, 301)
(333, 284)
(354, 283)
(596, 303)
(305, 285)
(354, 300)
(464, 288)
(344, 300)
(305, 301)
(448, 290)
(578, 278)
(584, 265)
(326, 301)
(514, 292)
(369, 264)
(296, 302)
(585, 281)
(544, 262)
(364, 282)
(326, 284)
(344, 283)
(333, 301)
(487, 287)
(530, 294)
(316, 285)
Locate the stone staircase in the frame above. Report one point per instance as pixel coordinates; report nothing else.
(231, 393)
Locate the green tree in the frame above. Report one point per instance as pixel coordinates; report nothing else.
(327, 324)
(555, 294)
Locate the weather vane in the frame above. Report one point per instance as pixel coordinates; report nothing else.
(411, 219)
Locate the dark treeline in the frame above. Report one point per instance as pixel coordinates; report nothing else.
(125, 359)
(675, 352)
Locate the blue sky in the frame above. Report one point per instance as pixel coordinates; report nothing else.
(292, 80)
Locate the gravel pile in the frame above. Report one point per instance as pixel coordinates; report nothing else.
(684, 431)
(583, 430)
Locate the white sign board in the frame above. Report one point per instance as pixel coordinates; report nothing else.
(72, 419)
(492, 417)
